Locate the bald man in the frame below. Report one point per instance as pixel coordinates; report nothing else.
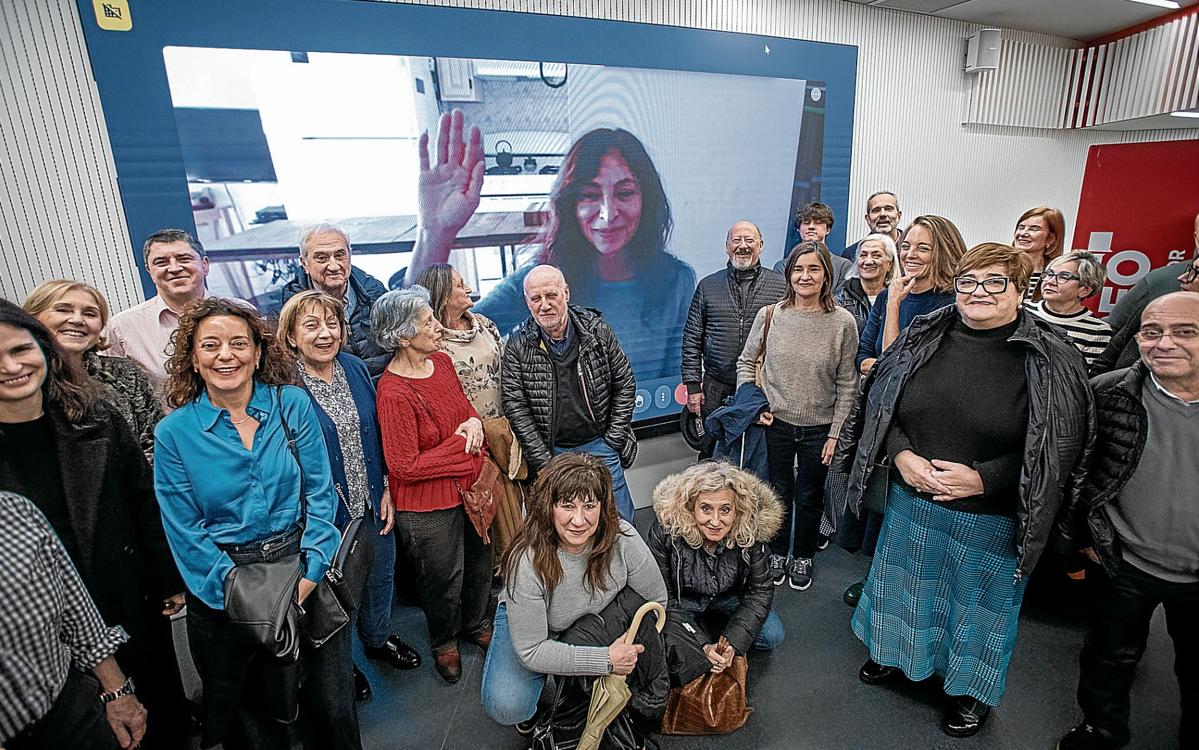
(1140, 508)
(567, 385)
(722, 311)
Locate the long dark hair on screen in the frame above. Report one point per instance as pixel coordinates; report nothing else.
(565, 246)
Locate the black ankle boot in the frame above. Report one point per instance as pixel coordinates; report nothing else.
(964, 717)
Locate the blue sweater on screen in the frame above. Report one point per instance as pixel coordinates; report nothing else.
(870, 344)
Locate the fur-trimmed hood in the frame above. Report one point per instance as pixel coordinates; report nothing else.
(759, 511)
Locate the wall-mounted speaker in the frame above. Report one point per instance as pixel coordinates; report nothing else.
(982, 50)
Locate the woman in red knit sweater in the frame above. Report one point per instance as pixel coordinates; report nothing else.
(434, 448)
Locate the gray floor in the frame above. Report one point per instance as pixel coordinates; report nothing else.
(806, 695)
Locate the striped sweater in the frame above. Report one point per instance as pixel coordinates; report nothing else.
(1088, 333)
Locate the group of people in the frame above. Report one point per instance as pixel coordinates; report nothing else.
(928, 402)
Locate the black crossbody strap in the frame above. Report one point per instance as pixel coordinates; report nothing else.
(295, 453)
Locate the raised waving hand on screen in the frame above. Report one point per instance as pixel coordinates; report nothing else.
(448, 190)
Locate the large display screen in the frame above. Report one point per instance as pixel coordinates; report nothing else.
(621, 165)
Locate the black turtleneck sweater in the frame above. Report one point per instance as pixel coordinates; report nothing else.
(969, 404)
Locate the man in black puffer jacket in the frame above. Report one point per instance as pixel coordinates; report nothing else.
(325, 265)
(722, 312)
(567, 385)
(1138, 519)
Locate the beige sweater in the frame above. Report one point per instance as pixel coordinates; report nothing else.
(809, 374)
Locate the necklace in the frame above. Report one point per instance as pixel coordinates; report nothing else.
(236, 422)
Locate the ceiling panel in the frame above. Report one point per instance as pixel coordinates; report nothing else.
(1074, 19)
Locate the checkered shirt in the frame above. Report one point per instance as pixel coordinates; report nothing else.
(49, 622)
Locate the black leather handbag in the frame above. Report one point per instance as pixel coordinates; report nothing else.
(327, 609)
(260, 600)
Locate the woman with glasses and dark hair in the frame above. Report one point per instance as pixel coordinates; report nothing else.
(230, 486)
(1068, 280)
(608, 228)
(974, 484)
(928, 252)
(807, 373)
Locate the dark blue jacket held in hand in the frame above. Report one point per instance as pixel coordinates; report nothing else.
(740, 440)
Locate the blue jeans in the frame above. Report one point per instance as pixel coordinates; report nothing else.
(769, 637)
(510, 690)
(620, 490)
(374, 614)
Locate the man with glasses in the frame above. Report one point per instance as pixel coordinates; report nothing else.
(1140, 511)
(1065, 283)
(1181, 276)
(722, 311)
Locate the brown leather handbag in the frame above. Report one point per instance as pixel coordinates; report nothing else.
(713, 703)
(480, 500)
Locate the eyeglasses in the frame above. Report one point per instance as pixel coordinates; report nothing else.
(1189, 275)
(992, 285)
(1061, 277)
(1154, 335)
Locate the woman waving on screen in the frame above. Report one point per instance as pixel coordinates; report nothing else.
(609, 224)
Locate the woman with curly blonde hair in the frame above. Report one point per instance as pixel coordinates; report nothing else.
(710, 542)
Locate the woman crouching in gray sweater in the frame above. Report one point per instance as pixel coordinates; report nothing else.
(572, 557)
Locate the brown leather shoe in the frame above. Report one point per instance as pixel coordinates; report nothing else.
(482, 639)
(449, 665)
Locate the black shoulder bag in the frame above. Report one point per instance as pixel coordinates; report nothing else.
(326, 610)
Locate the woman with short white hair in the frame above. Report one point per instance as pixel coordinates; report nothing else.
(434, 449)
(876, 264)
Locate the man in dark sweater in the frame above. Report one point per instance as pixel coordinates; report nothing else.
(722, 312)
(567, 385)
(1138, 518)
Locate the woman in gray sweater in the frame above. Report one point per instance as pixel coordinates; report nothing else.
(807, 345)
(571, 558)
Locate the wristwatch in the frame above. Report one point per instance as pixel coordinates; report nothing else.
(125, 689)
(609, 664)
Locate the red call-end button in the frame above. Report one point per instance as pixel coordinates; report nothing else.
(680, 394)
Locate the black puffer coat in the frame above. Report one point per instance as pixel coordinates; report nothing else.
(361, 342)
(740, 569)
(1061, 422)
(719, 321)
(1123, 427)
(528, 387)
(853, 297)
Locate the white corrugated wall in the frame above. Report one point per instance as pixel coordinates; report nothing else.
(61, 212)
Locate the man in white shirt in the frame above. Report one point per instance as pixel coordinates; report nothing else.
(178, 266)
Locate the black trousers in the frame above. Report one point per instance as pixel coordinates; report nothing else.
(1121, 609)
(149, 658)
(76, 720)
(322, 677)
(453, 572)
(715, 392)
(797, 474)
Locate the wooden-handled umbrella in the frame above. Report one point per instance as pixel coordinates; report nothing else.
(610, 693)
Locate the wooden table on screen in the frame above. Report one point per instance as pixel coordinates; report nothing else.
(377, 234)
